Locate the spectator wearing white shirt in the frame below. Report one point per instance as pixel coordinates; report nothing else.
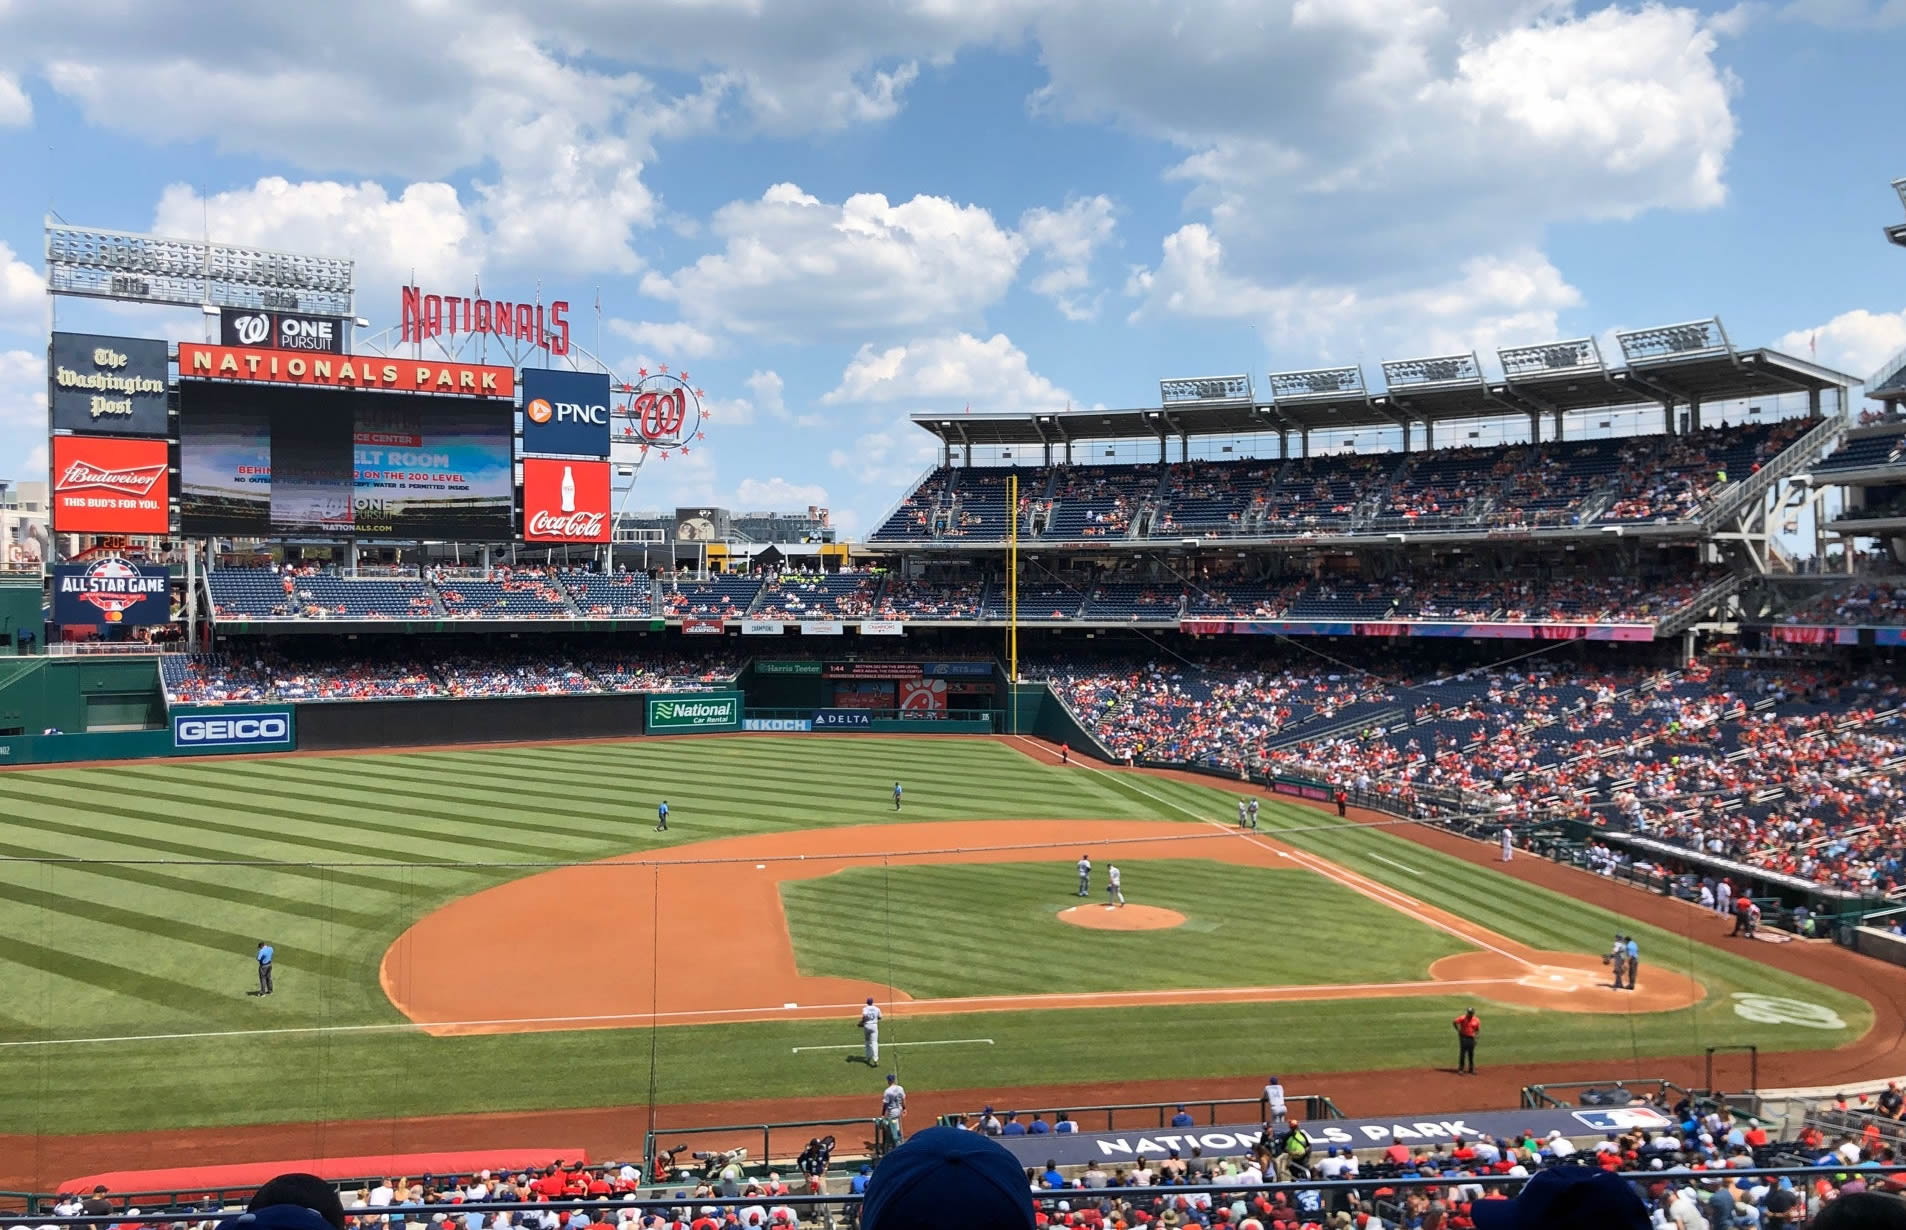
(382, 1194)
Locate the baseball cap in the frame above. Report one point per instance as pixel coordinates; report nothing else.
(944, 1179)
(1566, 1198)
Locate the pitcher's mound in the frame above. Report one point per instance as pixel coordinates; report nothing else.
(1122, 917)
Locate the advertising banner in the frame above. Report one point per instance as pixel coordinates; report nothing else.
(565, 412)
(872, 670)
(242, 327)
(263, 730)
(1079, 1148)
(954, 669)
(702, 627)
(108, 384)
(111, 591)
(923, 696)
(198, 361)
(823, 627)
(882, 627)
(269, 461)
(841, 719)
(106, 485)
(1412, 628)
(565, 501)
(761, 627)
(694, 713)
(784, 725)
(787, 668)
(863, 695)
(701, 524)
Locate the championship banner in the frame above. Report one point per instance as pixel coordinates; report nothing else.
(281, 331)
(107, 384)
(198, 361)
(111, 591)
(702, 627)
(882, 627)
(871, 670)
(823, 627)
(694, 713)
(565, 501)
(761, 627)
(106, 485)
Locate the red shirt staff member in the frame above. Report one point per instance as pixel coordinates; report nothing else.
(1468, 1025)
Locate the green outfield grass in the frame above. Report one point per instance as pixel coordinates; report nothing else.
(972, 929)
(151, 933)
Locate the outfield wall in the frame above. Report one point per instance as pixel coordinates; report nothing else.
(333, 726)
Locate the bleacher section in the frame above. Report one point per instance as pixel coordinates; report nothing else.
(515, 598)
(721, 597)
(1653, 480)
(258, 593)
(834, 596)
(623, 595)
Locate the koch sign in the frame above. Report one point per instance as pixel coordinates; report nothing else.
(114, 385)
(566, 413)
(1415, 1133)
(215, 731)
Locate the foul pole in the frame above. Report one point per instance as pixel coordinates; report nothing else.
(1012, 581)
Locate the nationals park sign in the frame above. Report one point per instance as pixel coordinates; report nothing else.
(694, 713)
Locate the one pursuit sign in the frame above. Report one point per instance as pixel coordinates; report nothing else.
(213, 731)
(694, 713)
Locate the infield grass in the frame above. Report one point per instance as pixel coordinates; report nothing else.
(150, 931)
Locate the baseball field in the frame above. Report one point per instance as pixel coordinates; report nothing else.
(503, 929)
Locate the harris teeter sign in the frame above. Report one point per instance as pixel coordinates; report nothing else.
(694, 713)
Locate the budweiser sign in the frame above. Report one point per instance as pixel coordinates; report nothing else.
(135, 480)
(565, 501)
(567, 527)
(110, 485)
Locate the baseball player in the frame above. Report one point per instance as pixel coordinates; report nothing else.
(1253, 813)
(661, 817)
(1112, 889)
(893, 1104)
(1243, 816)
(870, 1028)
(1618, 959)
(896, 796)
(1508, 843)
(1085, 875)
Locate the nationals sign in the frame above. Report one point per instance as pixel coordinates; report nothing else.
(428, 316)
(111, 591)
(110, 485)
(565, 501)
(197, 360)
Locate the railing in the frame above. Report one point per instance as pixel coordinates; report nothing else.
(1697, 607)
(1316, 1107)
(1802, 452)
(1539, 1097)
(87, 649)
(725, 1136)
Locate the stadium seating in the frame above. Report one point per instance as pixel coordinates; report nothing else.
(622, 595)
(718, 597)
(259, 593)
(834, 595)
(925, 600)
(520, 594)
(258, 674)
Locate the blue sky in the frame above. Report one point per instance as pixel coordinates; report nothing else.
(836, 213)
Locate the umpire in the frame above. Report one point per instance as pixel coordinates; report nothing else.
(265, 954)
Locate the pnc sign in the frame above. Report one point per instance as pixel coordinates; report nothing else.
(565, 413)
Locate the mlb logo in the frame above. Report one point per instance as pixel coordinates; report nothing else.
(1622, 1119)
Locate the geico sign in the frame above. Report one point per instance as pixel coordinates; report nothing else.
(209, 732)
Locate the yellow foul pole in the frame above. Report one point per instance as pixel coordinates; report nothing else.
(1012, 580)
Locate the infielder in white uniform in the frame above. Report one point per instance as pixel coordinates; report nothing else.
(1085, 875)
(1508, 843)
(870, 1027)
(1254, 813)
(1111, 885)
(1242, 809)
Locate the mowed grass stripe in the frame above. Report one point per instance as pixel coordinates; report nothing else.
(478, 815)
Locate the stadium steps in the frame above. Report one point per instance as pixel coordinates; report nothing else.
(1698, 607)
(1799, 455)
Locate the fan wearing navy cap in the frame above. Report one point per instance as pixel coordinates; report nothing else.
(948, 1180)
(293, 1202)
(1566, 1198)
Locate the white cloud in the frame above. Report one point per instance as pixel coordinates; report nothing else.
(16, 109)
(1848, 14)
(769, 390)
(777, 494)
(23, 414)
(941, 372)
(1067, 239)
(676, 338)
(793, 267)
(426, 230)
(1856, 342)
(1489, 302)
(891, 457)
(22, 294)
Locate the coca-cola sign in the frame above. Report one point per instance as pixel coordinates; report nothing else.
(110, 485)
(565, 501)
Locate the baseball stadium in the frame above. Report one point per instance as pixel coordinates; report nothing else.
(1317, 831)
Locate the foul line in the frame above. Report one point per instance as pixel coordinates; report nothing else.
(893, 1046)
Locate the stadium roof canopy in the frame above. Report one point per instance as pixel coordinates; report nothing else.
(1671, 365)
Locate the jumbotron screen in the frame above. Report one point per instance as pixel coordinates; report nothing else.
(272, 461)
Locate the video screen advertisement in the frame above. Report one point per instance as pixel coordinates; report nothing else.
(274, 460)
